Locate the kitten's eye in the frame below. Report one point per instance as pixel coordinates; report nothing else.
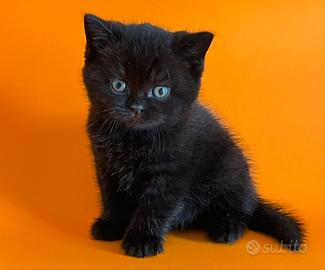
(118, 86)
(159, 92)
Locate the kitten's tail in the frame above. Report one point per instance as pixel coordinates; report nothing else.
(271, 219)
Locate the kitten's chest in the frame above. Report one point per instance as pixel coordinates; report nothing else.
(129, 166)
(129, 161)
(135, 153)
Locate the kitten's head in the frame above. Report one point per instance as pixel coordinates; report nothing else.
(142, 75)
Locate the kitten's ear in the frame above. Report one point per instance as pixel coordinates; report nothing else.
(99, 33)
(192, 47)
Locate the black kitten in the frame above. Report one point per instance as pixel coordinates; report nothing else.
(163, 161)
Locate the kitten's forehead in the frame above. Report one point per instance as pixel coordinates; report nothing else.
(146, 54)
(144, 74)
(147, 35)
(146, 42)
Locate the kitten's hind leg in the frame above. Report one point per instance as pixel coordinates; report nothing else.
(224, 228)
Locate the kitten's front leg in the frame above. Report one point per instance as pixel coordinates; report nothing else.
(150, 223)
(116, 213)
(116, 209)
(113, 221)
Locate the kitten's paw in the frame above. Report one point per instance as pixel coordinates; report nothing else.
(105, 230)
(226, 232)
(139, 245)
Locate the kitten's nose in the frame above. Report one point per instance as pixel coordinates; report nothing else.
(137, 108)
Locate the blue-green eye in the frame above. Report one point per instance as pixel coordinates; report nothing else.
(118, 86)
(159, 92)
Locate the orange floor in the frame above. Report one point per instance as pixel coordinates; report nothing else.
(265, 75)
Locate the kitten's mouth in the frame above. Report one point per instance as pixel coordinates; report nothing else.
(135, 120)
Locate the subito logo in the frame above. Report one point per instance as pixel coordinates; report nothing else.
(253, 247)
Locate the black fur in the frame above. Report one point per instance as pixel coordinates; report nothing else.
(172, 166)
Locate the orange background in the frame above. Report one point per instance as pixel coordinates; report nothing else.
(265, 75)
